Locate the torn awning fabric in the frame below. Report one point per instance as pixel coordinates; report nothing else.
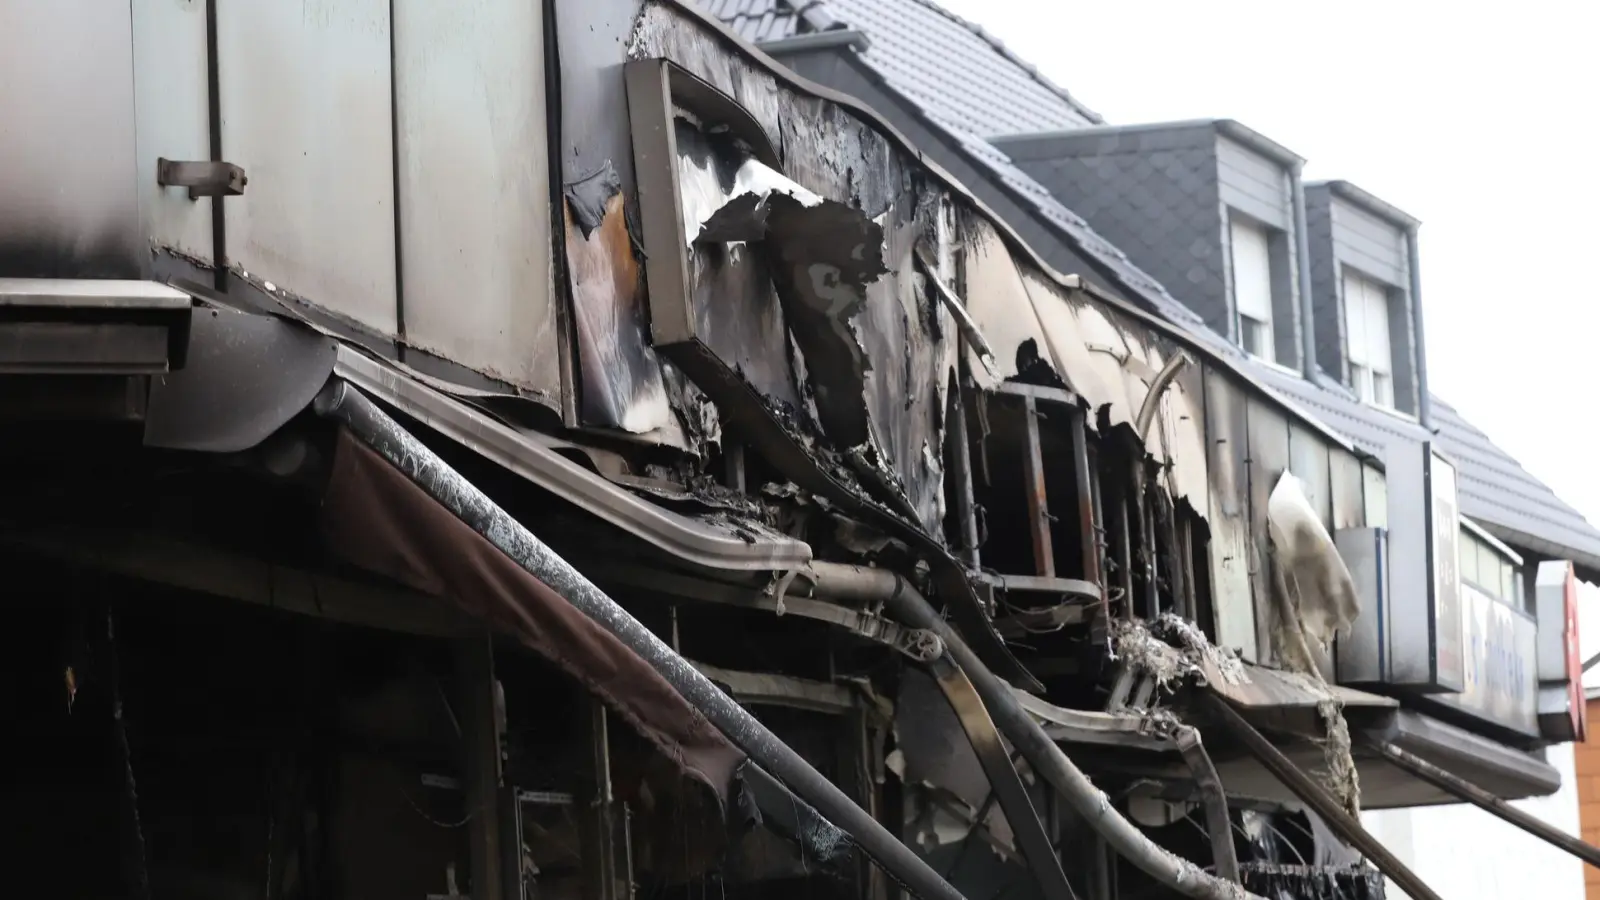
(376, 518)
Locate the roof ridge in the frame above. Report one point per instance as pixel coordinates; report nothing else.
(995, 44)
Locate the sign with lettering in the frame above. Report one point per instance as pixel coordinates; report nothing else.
(1444, 545)
(1499, 667)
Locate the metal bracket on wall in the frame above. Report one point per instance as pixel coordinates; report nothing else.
(203, 178)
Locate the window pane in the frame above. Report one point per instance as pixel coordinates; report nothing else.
(1467, 551)
(1252, 271)
(1256, 337)
(1366, 317)
(1382, 390)
(1355, 319)
(1378, 328)
(1361, 381)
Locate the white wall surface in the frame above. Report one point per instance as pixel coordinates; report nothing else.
(1464, 853)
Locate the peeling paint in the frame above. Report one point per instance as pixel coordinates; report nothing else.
(622, 386)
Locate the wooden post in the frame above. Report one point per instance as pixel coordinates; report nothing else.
(1044, 560)
(480, 765)
(607, 854)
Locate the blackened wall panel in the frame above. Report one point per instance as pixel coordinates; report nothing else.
(68, 202)
(1269, 459)
(1227, 434)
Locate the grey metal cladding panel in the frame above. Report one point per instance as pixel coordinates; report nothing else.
(1159, 209)
(1309, 461)
(172, 110)
(1285, 256)
(1409, 572)
(1227, 440)
(1109, 140)
(593, 36)
(1370, 244)
(305, 95)
(474, 187)
(1328, 312)
(1403, 351)
(1269, 459)
(1497, 491)
(68, 201)
(1375, 492)
(1253, 184)
(1347, 491)
(956, 71)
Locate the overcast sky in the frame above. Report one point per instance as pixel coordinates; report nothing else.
(1478, 120)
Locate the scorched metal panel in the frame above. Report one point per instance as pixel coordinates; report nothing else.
(1308, 460)
(475, 187)
(1269, 459)
(1228, 438)
(305, 93)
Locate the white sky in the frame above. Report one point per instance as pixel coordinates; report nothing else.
(1479, 120)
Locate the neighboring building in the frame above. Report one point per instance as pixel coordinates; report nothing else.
(1210, 225)
(1586, 772)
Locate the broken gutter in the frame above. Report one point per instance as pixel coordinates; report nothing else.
(749, 548)
(1182, 337)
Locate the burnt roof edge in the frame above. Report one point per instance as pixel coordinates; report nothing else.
(1172, 331)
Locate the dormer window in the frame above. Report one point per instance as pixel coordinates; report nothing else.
(1366, 318)
(1251, 249)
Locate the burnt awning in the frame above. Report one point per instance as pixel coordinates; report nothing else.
(374, 517)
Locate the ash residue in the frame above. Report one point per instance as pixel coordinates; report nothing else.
(1138, 648)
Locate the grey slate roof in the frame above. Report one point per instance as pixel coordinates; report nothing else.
(967, 83)
(977, 86)
(1497, 492)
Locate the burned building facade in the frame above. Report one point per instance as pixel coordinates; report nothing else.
(551, 447)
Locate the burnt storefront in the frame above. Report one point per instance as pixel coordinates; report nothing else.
(552, 449)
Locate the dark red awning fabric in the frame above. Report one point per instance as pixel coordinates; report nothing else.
(377, 519)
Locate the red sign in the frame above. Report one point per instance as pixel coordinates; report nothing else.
(1577, 708)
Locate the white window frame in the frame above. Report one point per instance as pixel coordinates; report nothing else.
(1368, 344)
(1250, 255)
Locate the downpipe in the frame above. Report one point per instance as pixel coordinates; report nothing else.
(904, 602)
(341, 403)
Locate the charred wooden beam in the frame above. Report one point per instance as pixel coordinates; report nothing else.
(960, 462)
(481, 730)
(1044, 757)
(1124, 552)
(1032, 840)
(223, 573)
(1088, 521)
(1465, 790)
(1213, 798)
(1038, 502)
(606, 841)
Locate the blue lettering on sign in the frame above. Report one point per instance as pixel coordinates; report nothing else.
(1497, 676)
